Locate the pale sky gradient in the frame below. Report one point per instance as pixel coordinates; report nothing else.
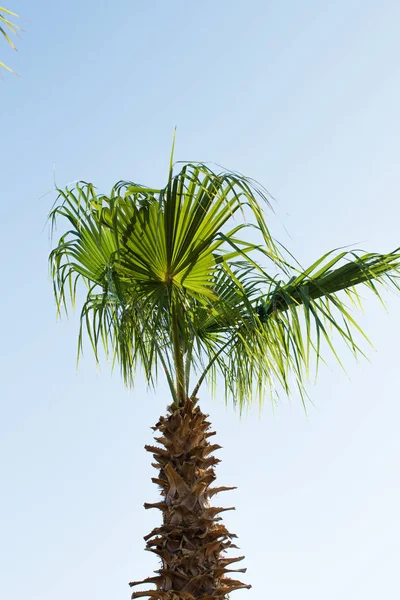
(303, 96)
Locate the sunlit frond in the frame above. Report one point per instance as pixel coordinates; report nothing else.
(297, 316)
(8, 27)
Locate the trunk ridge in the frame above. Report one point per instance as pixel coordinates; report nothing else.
(192, 542)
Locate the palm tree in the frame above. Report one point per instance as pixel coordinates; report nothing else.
(187, 280)
(6, 24)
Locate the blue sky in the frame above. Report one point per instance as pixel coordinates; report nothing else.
(302, 96)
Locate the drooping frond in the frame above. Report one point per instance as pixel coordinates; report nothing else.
(295, 317)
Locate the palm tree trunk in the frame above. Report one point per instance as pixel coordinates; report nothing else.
(191, 541)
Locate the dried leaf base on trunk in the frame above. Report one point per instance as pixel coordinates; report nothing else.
(192, 541)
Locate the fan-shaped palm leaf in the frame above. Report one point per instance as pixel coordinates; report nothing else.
(156, 254)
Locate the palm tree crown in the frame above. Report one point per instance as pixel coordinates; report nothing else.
(188, 279)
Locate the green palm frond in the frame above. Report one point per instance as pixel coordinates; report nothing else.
(150, 259)
(7, 27)
(296, 316)
(184, 279)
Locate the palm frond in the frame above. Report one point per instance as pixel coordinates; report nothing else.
(298, 315)
(271, 344)
(8, 27)
(151, 260)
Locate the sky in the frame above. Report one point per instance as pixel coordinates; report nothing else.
(302, 96)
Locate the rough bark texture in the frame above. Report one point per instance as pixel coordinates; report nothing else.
(192, 541)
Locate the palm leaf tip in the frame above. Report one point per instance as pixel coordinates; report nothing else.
(7, 28)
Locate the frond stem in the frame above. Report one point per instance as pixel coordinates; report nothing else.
(178, 360)
(206, 370)
(188, 363)
(168, 376)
